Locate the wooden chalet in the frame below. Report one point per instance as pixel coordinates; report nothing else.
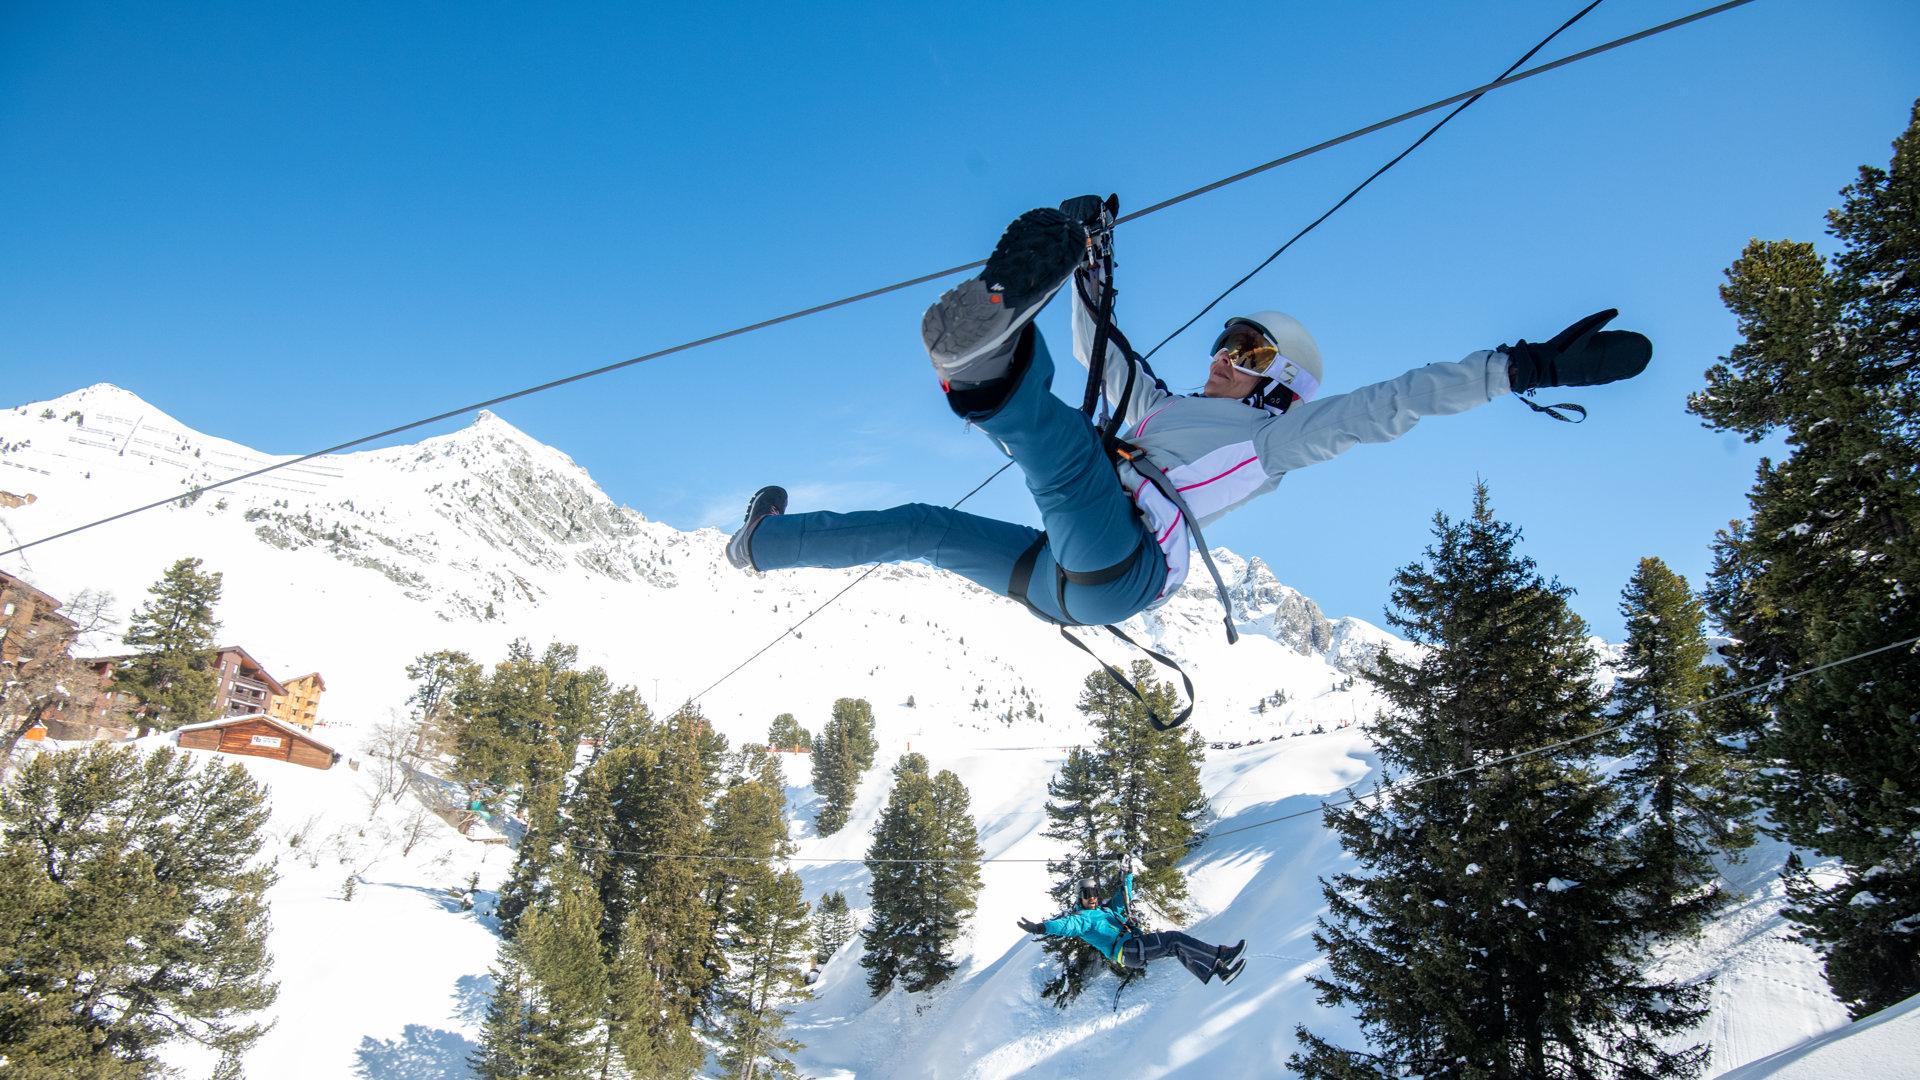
(259, 736)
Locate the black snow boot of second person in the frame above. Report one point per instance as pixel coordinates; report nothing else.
(1581, 355)
(766, 502)
(972, 331)
(1225, 955)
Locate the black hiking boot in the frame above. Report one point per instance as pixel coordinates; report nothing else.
(1227, 975)
(765, 503)
(1225, 955)
(971, 332)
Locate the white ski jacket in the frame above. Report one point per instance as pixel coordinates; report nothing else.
(1220, 452)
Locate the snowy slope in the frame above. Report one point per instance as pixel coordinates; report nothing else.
(353, 564)
(1884, 1046)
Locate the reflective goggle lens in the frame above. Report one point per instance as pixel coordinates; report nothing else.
(1246, 348)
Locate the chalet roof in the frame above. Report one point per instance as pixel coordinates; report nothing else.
(232, 720)
(257, 666)
(314, 675)
(9, 581)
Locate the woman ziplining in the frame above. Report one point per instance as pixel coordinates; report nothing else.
(1109, 550)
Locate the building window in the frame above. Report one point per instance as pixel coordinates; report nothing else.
(9, 608)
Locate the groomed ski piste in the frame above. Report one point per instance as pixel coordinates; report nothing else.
(356, 564)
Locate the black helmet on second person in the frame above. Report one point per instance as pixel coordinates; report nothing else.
(1276, 347)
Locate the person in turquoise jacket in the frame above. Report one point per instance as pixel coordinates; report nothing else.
(1110, 928)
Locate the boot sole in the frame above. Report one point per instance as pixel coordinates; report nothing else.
(977, 318)
(768, 501)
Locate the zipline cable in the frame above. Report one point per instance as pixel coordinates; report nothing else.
(1470, 98)
(1379, 790)
(829, 600)
(1362, 186)
(884, 289)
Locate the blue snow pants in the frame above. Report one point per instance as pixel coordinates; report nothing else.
(1089, 521)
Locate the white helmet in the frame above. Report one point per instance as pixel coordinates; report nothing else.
(1296, 365)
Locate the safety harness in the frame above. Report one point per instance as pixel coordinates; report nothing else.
(1107, 424)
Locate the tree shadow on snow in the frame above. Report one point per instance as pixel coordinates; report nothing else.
(421, 1053)
(471, 995)
(437, 895)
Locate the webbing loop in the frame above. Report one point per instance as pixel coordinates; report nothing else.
(1553, 410)
(1153, 715)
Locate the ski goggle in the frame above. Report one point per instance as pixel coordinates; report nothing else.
(1245, 348)
(1249, 349)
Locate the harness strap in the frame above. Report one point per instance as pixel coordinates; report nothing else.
(1158, 478)
(1153, 716)
(1022, 578)
(1165, 662)
(1020, 582)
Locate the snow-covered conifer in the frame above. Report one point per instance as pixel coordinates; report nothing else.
(132, 911)
(1693, 786)
(833, 925)
(1825, 567)
(924, 862)
(1488, 927)
(172, 670)
(842, 753)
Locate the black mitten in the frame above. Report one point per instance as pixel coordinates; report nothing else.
(1581, 355)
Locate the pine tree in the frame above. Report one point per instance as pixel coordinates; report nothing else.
(785, 733)
(172, 671)
(643, 1032)
(1692, 784)
(1138, 790)
(842, 753)
(540, 857)
(924, 862)
(951, 882)
(749, 828)
(833, 926)
(132, 911)
(551, 992)
(1489, 928)
(445, 683)
(669, 819)
(1826, 565)
(767, 947)
(898, 835)
(1076, 814)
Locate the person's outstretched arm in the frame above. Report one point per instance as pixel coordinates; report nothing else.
(1123, 896)
(1062, 926)
(1313, 431)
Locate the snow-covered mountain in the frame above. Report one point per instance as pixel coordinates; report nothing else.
(353, 564)
(350, 564)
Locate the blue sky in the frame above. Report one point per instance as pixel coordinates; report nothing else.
(289, 225)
